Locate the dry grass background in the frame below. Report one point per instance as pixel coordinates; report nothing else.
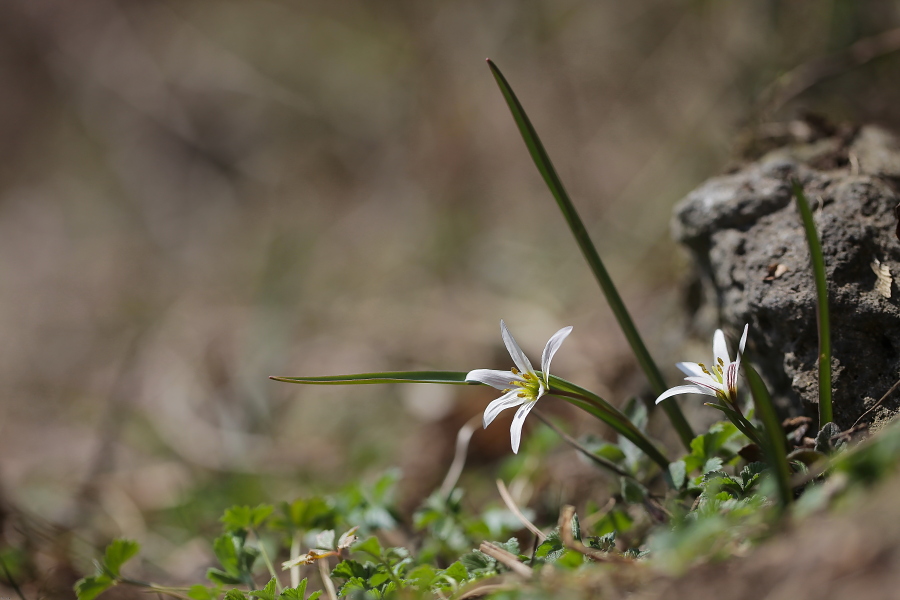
(195, 195)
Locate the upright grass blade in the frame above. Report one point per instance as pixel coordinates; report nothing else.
(774, 444)
(548, 172)
(822, 315)
(574, 394)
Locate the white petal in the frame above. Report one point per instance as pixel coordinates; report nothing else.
(684, 389)
(706, 382)
(496, 379)
(515, 431)
(720, 350)
(743, 343)
(507, 400)
(550, 349)
(690, 369)
(519, 359)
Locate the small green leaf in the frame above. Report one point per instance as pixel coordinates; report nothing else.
(235, 595)
(423, 576)
(678, 472)
(379, 579)
(456, 571)
(89, 588)
(225, 548)
(201, 592)
(824, 437)
(370, 546)
(244, 517)
(348, 569)
(267, 593)
(315, 595)
(294, 593)
(713, 464)
(632, 491)
(221, 577)
(118, 553)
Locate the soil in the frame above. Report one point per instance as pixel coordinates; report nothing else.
(745, 234)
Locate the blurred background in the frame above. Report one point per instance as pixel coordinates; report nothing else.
(195, 195)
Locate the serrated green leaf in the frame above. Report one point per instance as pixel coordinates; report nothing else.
(352, 584)
(245, 517)
(118, 552)
(476, 561)
(712, 464)
(348, 569)
(89, 588)
(315, 595)
(235, 595)
(267, 593)
(294, 593)
(309, 513)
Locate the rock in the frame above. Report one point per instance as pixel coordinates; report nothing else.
(746, 235)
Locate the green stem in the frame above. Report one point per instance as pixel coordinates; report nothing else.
(603, 410)
(822, 314)
(267, 560)
(598, 460)
(579, 232)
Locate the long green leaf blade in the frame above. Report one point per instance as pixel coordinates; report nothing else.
(447, 377)
(822, 314)
(774, 444)
(548, 172)
(588, 401)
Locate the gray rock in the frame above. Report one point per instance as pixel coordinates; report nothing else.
(746, 235)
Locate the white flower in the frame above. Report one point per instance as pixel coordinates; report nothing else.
(720, 380)
(521, 385)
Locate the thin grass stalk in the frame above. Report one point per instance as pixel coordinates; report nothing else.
(579, 232)
(774, 444)
(822, 314)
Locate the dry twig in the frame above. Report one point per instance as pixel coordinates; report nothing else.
(511, 505)
(506, 558)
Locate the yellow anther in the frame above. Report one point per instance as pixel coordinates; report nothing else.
(515, 371)
(721, 362)
(526, 375)
(520, 395)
